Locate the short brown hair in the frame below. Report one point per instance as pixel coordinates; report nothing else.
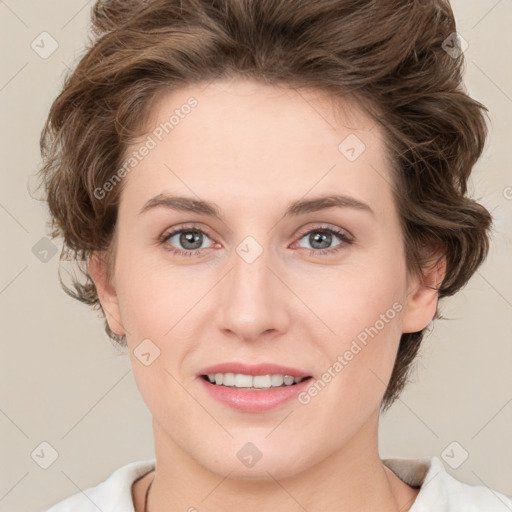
(387, 54)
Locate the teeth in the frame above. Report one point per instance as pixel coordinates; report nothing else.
(240, 380)
(288, 380)
(243, 381)
(262, 381)
(277, 380)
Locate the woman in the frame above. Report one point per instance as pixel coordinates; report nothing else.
(269, 198)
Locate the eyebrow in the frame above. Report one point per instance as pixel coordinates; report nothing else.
(295, 208)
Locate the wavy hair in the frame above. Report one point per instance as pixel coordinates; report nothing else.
(392, 56)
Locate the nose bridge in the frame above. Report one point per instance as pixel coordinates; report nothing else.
(250, 276)
(253, 300)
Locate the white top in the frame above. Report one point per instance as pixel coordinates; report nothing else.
(439, 492)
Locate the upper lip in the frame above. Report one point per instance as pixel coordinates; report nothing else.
(254, 369)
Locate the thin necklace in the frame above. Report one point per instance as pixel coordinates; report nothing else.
(147, 494)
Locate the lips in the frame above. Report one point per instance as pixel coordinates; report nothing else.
(254, 369)
(251, 400)
(248, 387)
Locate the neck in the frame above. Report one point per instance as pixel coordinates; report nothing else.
(353, 478)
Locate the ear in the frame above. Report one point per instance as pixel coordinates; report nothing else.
(107, 295)
(421, 302)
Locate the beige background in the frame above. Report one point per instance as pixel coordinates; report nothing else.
(62, 383)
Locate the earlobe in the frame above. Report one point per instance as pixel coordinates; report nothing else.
(106, 292)
(421, 301)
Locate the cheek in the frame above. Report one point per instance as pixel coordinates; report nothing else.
(162, 309)
(156, 298)
(358, 301)
(158, 313)
(363, 311)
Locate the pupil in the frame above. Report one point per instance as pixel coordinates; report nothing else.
(318, 237)
(189, 237)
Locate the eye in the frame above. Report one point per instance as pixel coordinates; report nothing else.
(190, 239)
(321, 238)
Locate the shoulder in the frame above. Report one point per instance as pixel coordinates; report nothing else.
(112, 495)
(442, 492)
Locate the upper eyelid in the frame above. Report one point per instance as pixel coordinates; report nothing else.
(334, 229)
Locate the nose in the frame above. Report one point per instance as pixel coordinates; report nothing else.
(253, 301)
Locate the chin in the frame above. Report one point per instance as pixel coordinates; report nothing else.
(269, 470)
(242, 459)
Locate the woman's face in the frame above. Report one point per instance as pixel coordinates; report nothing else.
(277, 277)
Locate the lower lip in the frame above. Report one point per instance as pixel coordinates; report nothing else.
(258, 400)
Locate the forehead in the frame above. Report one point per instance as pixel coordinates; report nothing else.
(243, 138)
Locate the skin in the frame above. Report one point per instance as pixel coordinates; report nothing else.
(252, 149)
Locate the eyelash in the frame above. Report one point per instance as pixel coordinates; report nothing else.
(345, 240)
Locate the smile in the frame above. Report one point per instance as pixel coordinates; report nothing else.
(240, 380)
